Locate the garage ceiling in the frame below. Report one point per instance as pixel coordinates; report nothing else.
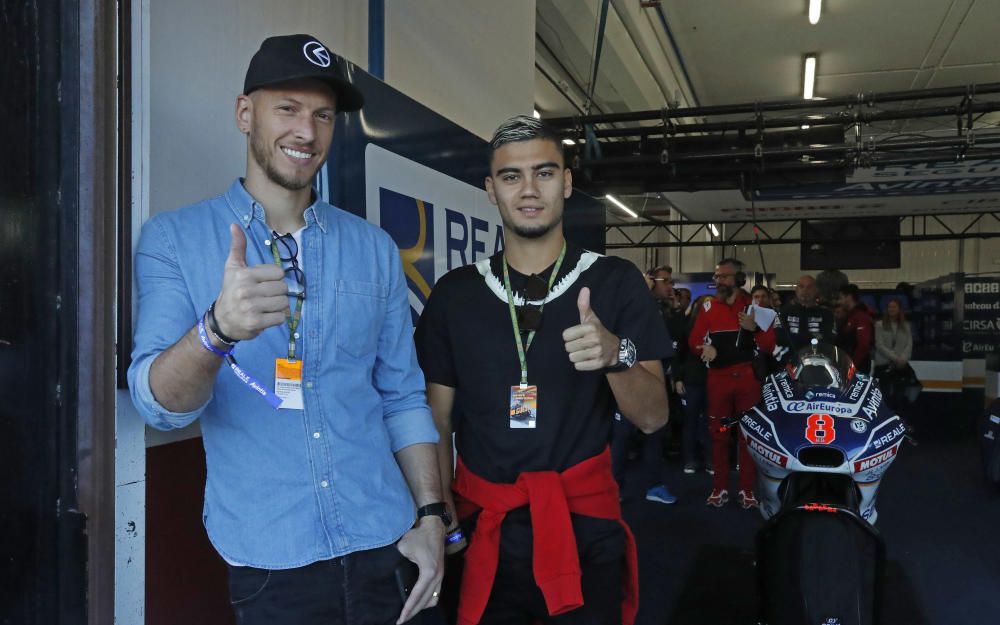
(713, 52)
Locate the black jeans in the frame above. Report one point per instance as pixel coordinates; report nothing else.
(695, 444)
(356, 589)
(516, 600)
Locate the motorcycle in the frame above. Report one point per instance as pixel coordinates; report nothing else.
(822, 438)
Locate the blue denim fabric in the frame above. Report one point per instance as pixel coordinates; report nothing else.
(287, 488)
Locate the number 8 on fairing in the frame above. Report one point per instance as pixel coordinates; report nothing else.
(819, 429)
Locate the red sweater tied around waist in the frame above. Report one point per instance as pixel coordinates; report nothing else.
(587, 488)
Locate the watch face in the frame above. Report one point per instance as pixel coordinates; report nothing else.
(626, 353)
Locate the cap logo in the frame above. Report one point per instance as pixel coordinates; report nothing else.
(316, 54)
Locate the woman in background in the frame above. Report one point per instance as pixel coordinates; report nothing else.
(893, 348)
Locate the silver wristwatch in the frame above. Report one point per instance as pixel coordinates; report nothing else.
(626, 356)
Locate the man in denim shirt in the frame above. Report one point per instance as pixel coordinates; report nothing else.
(319, 443)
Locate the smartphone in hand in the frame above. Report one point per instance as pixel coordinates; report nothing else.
(406, 577)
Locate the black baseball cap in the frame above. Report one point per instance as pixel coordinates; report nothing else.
(292, 57)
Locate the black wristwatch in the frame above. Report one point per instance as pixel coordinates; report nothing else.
(435, 509)
(626, 356)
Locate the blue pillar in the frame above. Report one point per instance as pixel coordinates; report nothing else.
(376, 38)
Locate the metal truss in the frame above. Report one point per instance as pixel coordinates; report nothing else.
(683, 233)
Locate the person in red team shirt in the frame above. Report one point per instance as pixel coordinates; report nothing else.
(725, 334)
(858, 335)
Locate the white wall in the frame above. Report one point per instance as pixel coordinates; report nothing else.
(473, 61)
(199, 53)
(470, 60)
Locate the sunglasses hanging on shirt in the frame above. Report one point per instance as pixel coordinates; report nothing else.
(529, 316)
(288, 252)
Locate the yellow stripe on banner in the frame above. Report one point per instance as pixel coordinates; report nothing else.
(411, 255)
(972, 381)
(942, 384)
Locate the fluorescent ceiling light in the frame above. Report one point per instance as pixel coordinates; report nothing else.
(536, 113)
(815, 8)
(809, 78)
(569, 142)
(715, 231)
(617, 203)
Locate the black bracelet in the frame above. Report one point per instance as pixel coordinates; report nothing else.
(213, 325)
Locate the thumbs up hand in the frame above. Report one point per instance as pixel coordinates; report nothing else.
(591, 347)
(252, 298)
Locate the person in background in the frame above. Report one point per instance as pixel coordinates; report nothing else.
(624, 432)
(775, 299)
(690, 377)
(804, 319)
(858, 336)
(683, 297)
(725, 336)
(893, 348)
(763, 363)
(828, 284)
(761, 296)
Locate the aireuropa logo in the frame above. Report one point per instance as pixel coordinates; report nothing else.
(410, 223)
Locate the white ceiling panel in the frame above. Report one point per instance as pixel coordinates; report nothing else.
(863, 83)
(978, 39)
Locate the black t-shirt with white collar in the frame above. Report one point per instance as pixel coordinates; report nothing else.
(465, 340)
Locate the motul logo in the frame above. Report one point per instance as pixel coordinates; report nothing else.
(874, 461)
(767, 453)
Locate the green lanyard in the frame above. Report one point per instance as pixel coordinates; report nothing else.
(293, 319)
(521, 347)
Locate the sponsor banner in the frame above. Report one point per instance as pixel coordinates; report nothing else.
(915, 179)
(980, 316)
(438, 222)
(915, 189)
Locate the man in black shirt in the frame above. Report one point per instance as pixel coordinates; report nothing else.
(804, 319)
(661, 285)
(526, 356)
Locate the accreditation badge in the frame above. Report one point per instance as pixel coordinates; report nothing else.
(523, 406)
(288, 383)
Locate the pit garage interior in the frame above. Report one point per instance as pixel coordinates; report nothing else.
(864, 138)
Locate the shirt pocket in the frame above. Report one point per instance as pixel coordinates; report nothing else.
(360, 314)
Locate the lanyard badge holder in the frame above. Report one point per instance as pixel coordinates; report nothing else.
(288, 371)
(524, 397)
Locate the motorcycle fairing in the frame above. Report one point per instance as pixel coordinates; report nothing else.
(862, 428)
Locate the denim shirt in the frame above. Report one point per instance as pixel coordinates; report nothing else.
(286, 488)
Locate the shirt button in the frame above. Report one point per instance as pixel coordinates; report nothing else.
(315, 434)
(309, 384)
(324, 483)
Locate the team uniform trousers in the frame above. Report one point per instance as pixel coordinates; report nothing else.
(731, 392)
